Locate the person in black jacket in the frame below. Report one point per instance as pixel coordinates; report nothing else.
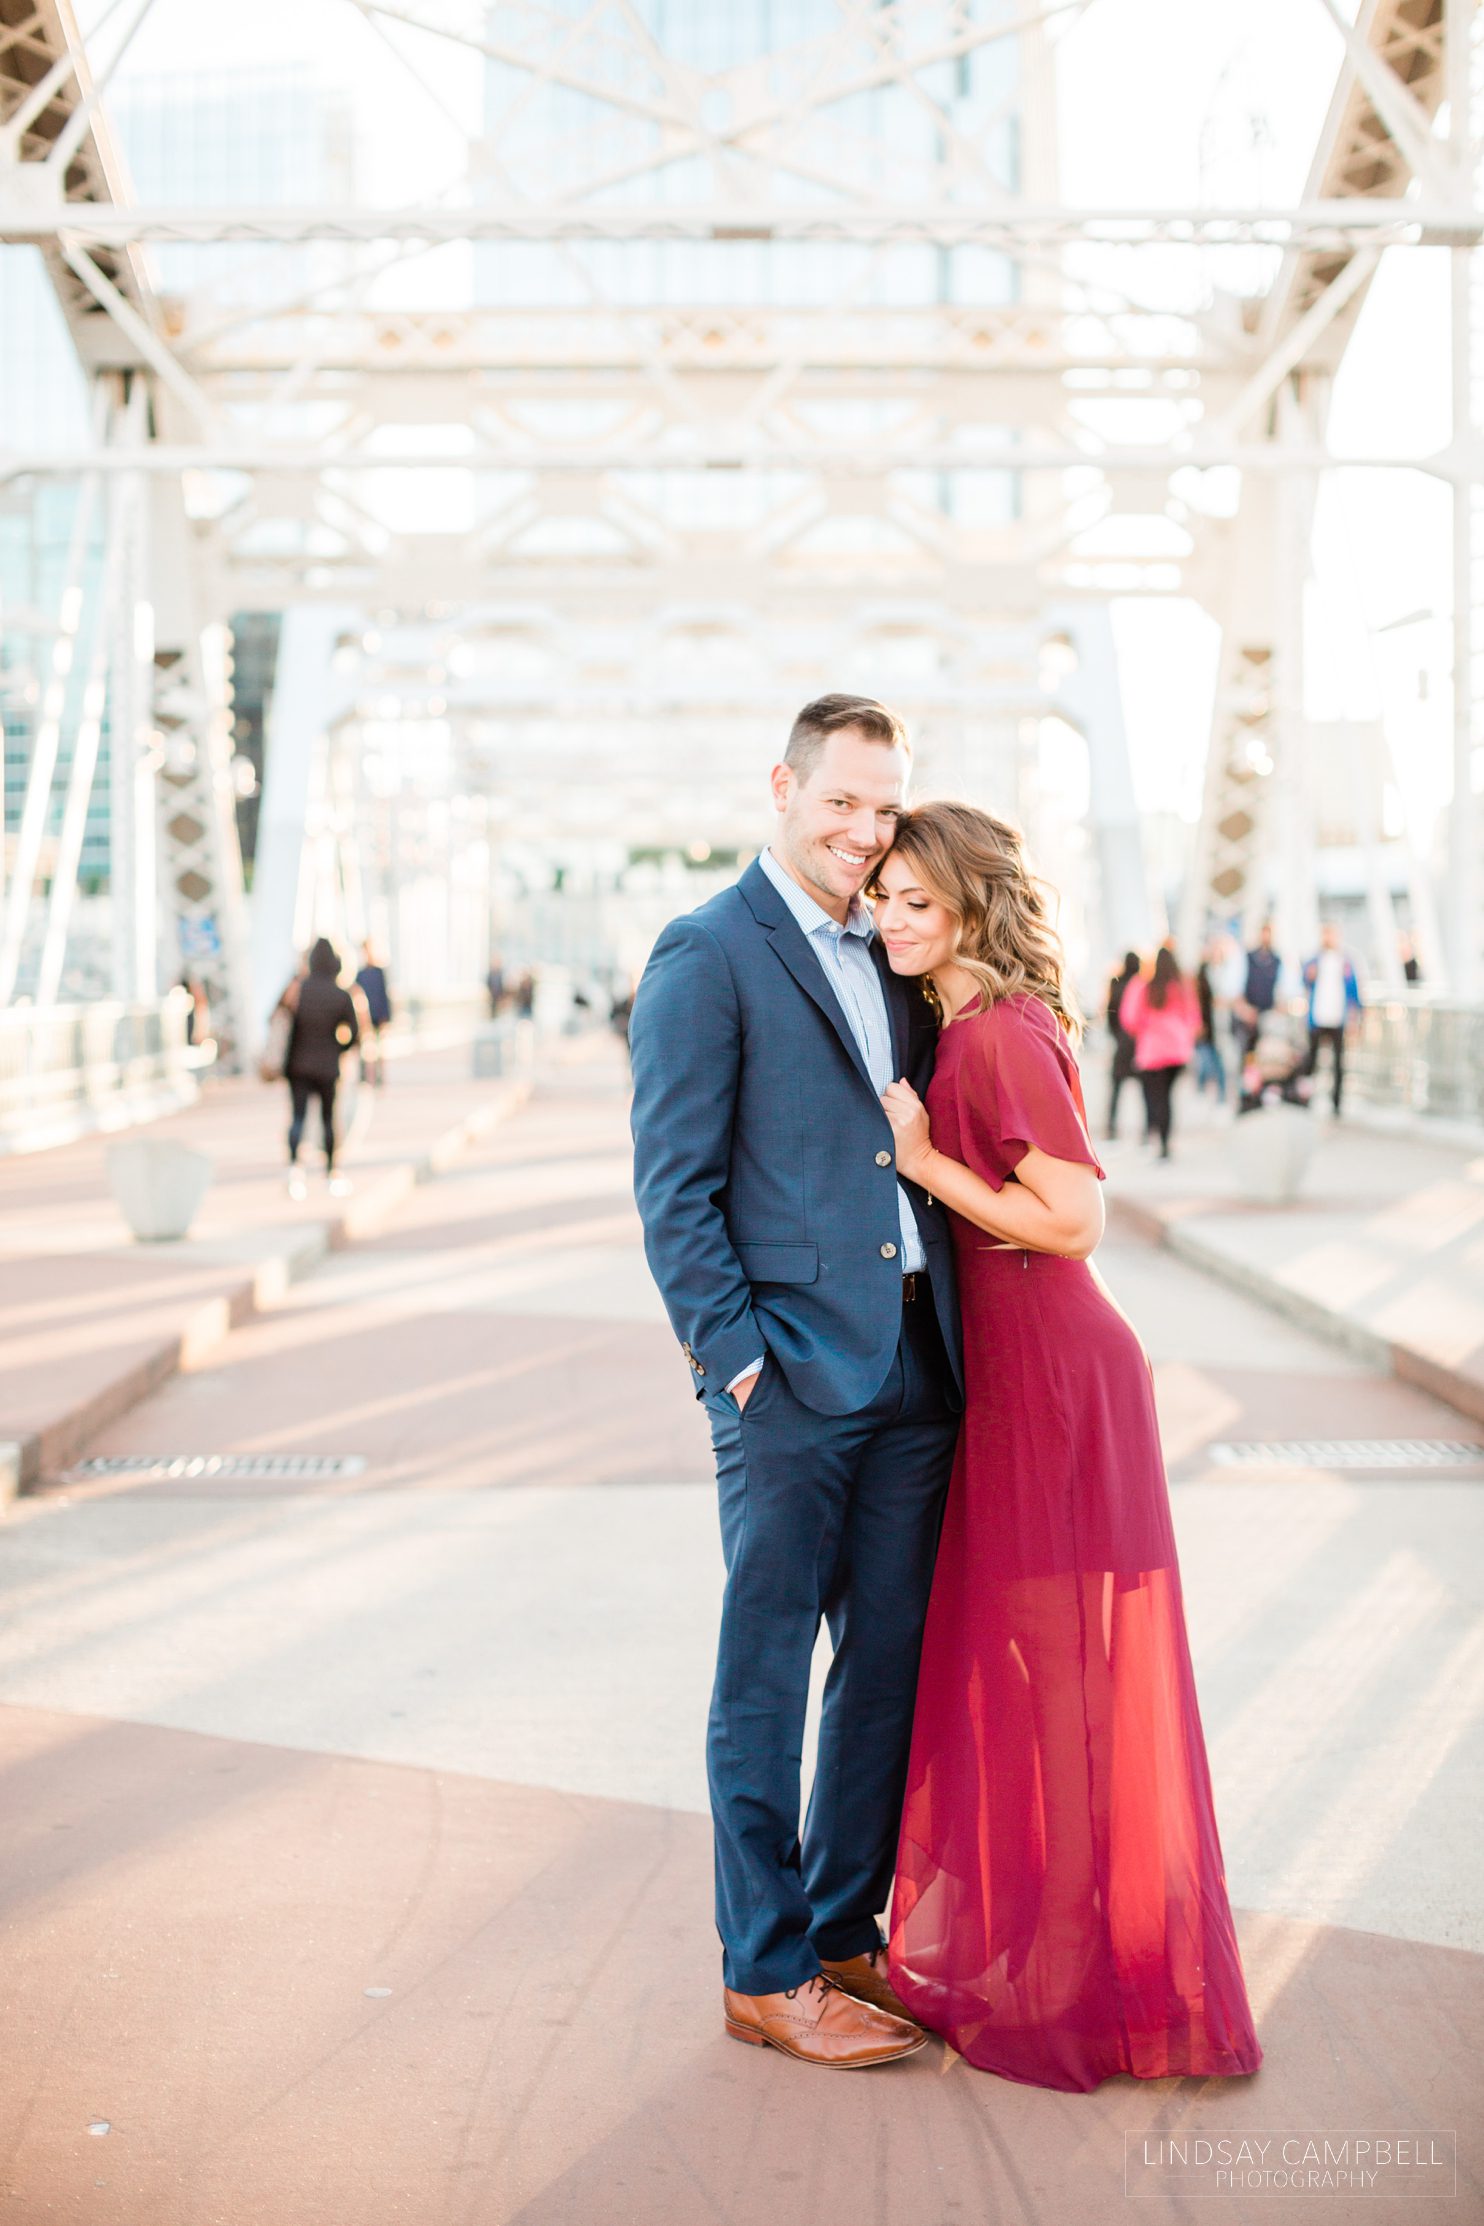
(327, 1021)
(1123, 1043)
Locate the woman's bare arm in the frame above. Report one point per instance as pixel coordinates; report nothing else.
(1054, 1205)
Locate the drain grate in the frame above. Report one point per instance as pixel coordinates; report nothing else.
(253, 1467)
(1348, 1453)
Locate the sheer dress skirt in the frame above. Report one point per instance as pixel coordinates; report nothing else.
(1060, 1910)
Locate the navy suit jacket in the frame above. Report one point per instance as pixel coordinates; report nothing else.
(763, 1162)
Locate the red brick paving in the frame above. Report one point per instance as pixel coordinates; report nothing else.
(550, 2049)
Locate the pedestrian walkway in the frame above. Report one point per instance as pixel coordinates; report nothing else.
(1382, 1251)
(90, 1319)
(359, 1869)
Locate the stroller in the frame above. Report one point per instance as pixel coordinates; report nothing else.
(1274, 1070)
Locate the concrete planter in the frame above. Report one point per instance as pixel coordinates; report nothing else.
(158, 1185)
(491, 1042)
(505, 1046)
(1272, 1149)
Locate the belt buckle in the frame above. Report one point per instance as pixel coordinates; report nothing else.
(909, 1287)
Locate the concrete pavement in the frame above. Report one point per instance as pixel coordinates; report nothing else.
(1382, 1251)
(90, 1320)
(359, 1869)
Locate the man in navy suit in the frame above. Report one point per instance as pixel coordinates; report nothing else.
(812, 1292)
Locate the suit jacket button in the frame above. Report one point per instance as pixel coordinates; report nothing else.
(888, 1252)
(883, 1159)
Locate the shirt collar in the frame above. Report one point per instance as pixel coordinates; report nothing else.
(810, 915)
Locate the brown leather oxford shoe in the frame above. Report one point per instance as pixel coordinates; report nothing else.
(821, 2023)
(865, 1977)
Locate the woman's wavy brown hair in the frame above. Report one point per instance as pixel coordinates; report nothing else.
(975, 865)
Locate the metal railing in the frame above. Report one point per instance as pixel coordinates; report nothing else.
(1420, 1054)
(67, 1067)
(426, 1020)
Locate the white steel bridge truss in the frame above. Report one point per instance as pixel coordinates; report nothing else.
(686, 505)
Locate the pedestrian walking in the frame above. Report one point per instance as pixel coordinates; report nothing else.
(1210, 1067)
(621, 1009)
(198, 1019)
(1161, 1014)
(1123, 1043)
(372, 984)
(1334, 995)
(1259, 990)
(325, 1020)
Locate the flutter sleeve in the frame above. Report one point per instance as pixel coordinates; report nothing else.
(1035, 1092)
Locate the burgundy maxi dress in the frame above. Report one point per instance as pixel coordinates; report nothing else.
(1060, 1909)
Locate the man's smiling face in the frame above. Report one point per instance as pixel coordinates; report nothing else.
(836, 826)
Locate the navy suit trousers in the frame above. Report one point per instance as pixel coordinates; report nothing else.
(833, 1516)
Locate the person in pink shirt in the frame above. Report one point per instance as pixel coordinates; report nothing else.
(1160, 1011)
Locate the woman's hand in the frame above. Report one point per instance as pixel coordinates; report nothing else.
(909, 1126)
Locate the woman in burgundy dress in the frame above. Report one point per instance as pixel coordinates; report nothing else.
(1060, 1909)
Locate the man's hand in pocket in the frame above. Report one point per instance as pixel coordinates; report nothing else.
(744, 1388)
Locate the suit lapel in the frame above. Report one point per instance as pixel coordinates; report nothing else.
(793, 947)
(894, 990)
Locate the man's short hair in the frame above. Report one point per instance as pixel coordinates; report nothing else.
(827, 715)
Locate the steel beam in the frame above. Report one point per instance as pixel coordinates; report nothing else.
(200, 865)
(133, 876)
(47, 734)
(1465, 908)
(1314, 226)
(171, 458)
